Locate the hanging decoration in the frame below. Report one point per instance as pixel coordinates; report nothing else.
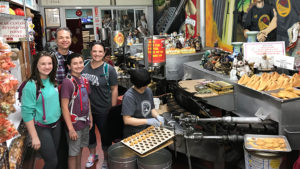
(78, 12)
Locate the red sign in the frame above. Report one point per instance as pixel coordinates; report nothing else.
(158, 49)
(191, 18)
(96, 11)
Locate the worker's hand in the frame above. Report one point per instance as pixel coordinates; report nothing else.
(262, 36)
(153, 122)
(161, 119)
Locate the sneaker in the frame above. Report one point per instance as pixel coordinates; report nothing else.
(91, 160)
(104, 165)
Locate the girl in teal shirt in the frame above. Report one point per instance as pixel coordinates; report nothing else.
(40, 108)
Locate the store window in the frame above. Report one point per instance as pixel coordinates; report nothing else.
(122, 19)
(125, 19)
(107, 21)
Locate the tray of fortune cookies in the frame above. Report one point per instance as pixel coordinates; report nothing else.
(149, 139)
(266, 143)
(289, 93)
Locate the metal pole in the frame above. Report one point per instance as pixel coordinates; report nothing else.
(175, 149)
(27, 35)
(188, 155)
(202, 21)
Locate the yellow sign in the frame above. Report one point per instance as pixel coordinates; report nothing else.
(119, 39)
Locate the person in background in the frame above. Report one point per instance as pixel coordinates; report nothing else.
(143, 25)
(40, 108)
(63, 37)
(107, 57)
(288, 13)
(63, 40)
(263, 18)
(138, 106)
(126, 24)
(106, 21)
(104, 92)
(76, 111)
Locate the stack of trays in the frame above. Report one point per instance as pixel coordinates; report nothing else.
(149, 140)
(266, 143)
(220, 87)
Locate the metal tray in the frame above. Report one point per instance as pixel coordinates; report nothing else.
(272, 91)
(148, 139)
(251, 140)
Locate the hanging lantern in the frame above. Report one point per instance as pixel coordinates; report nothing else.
(78, 12)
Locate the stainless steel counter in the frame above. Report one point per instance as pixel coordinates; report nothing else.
(174, 64)
(192, 70)
(247, 102)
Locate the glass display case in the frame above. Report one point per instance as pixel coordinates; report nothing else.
(123, 19)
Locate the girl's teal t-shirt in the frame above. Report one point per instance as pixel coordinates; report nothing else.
(33, 109)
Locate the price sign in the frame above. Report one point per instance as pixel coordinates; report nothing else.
(285, 62)
(254, 51)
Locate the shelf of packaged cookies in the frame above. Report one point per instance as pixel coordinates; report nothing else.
(4, 157)
(11, 16)
(16, 119)
(10, 111)
(17, 152)
(10, 116)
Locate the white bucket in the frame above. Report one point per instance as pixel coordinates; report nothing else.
(262, 160)
(156, 103)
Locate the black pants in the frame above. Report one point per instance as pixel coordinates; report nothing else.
(63, 149)
(101, 122)
(49, 138)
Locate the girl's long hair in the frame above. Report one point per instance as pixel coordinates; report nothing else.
(35, 74)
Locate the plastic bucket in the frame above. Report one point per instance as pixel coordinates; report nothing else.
(262, 160)
(161, 159)
(120, 156)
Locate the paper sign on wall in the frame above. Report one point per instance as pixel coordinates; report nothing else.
(4, 7)
(285, 62)
(12, 30)
(254, 51)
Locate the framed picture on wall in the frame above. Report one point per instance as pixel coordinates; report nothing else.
(50, 34)
(52, 17)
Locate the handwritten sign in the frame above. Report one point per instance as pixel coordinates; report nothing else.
(156, 49)
(12, 30)
(285, 62)
(254, 51)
